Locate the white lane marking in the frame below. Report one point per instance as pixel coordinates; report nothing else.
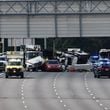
(86, 85)
(87, 88)
(55, 90)
(97, 101)
(59, 97)
(64, 105)
(89, 91)
(23, 101)
(25, 107)
(101, 104)
(61, 101)
(105, 108)
(93, 97)
(22, 98)
(92, 94)
(54, 87)
(22, 95)
(22, 88)
(56, 93)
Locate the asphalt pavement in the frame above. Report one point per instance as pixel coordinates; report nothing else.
(55, 91)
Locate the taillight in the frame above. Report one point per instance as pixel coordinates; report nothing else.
(59, 66)
(48, 66)
(100, 68)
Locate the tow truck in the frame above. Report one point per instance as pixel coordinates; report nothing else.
(14, 66)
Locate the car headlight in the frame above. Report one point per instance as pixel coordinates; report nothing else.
(108, 63)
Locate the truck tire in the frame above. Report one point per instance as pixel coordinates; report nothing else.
(6, 75)
(22, 75)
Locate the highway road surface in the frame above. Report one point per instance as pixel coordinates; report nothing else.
(55, 91)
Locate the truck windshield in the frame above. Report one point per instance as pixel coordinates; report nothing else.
(31, 55)
(15, 63)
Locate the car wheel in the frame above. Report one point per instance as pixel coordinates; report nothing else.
(95, 76)
(98, 76)
(33, 70)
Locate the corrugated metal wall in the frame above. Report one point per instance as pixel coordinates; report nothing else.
(68, 26)
(13, 27)
(96, 26)
(44, 26)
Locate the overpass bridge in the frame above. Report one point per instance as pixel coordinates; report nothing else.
(23, 21)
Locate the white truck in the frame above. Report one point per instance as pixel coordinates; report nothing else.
(33, 60)
(78, 62)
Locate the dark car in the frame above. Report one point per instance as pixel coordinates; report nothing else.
(102, 68)
(2, 66)
(52, 65)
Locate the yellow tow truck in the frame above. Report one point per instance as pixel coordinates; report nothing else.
(14, 66)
